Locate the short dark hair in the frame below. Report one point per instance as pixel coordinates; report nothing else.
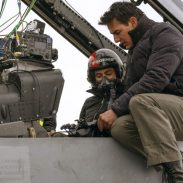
(121, 11)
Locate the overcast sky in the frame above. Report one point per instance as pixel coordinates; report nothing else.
(72, 63)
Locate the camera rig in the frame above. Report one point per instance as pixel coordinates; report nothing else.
(30, 87)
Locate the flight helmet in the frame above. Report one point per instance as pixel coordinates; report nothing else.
(101, 59)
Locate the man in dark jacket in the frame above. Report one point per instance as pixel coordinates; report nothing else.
(148, 117)
(105, 71)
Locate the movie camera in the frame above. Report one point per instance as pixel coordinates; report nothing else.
(30, 87)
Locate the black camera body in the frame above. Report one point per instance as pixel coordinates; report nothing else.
(33, 45)
(29, 96)
(30, 87)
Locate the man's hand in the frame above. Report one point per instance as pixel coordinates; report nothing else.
(106, 120)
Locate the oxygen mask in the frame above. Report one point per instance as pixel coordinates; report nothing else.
(106, 84)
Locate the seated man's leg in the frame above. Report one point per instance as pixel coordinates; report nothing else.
(125, 132)
(159, 119)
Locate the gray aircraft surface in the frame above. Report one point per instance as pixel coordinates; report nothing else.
(30, 92)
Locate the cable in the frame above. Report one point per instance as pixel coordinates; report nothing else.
(19, 8)
(3, 7)
(22, 18)
(9, 19)
(9, 24)
(73, 9)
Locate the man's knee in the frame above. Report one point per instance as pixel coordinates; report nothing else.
(118, 128)
(125, 132)
(122, 128)
(141, 100)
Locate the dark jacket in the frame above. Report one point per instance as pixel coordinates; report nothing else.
(155, 63)
(98, 103)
